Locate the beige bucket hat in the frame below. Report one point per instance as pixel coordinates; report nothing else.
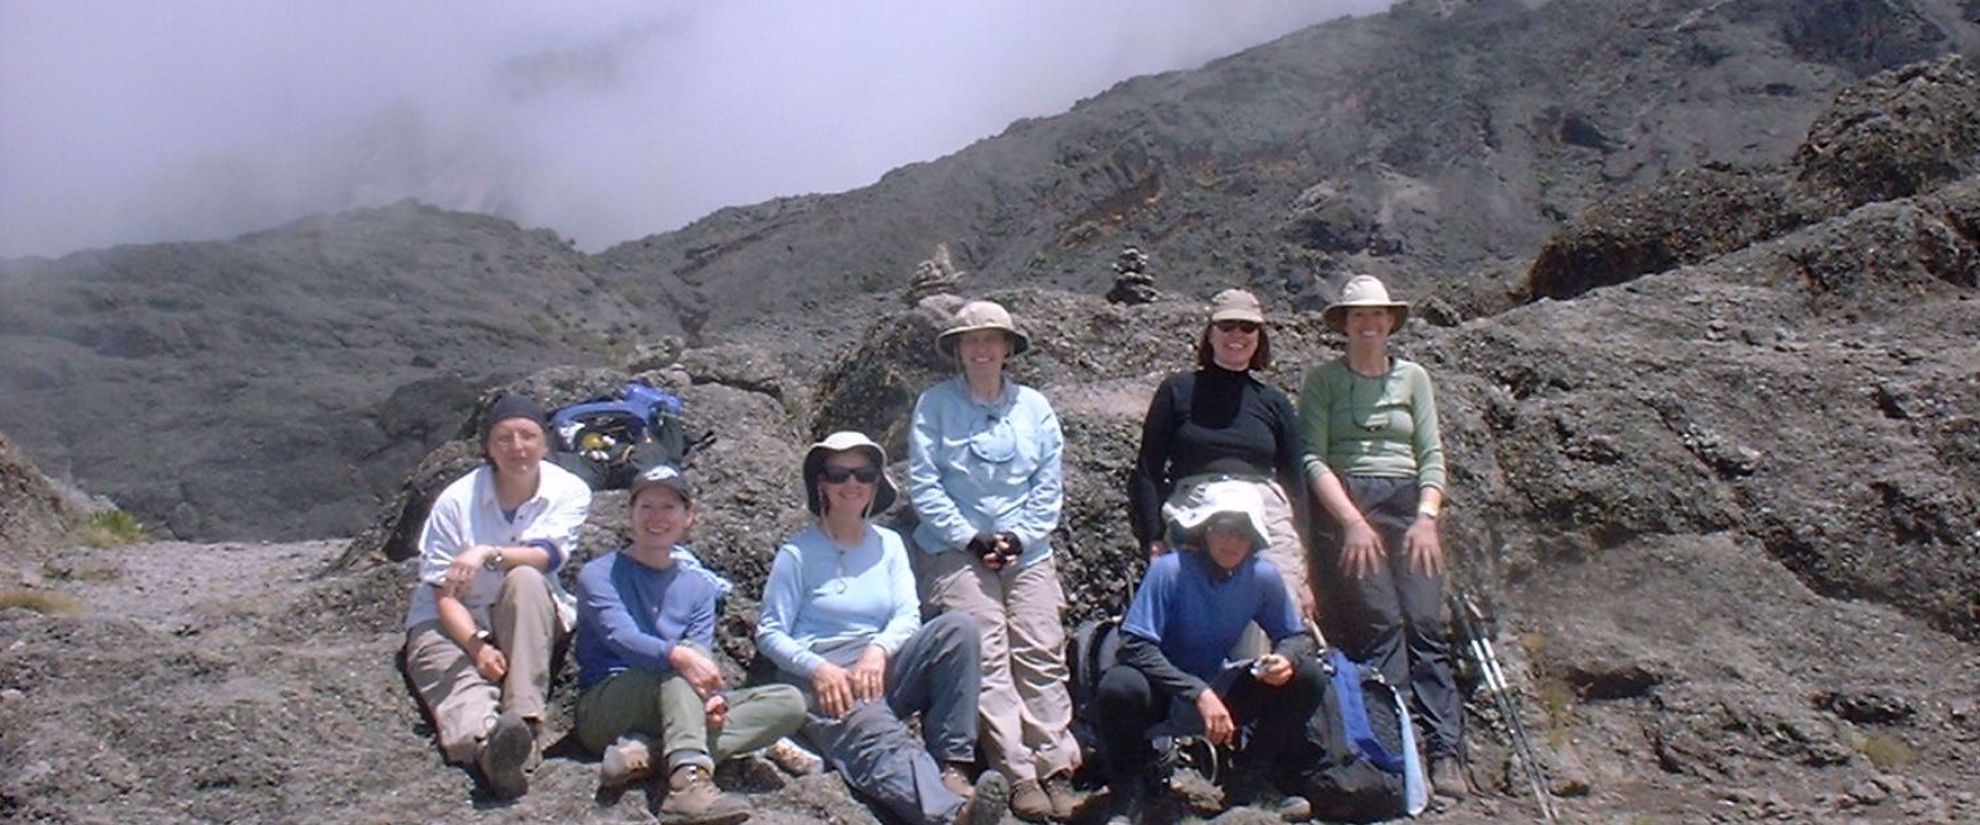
(977, 315)
(1206, 501)
(1236, 305)
(1363, 291)
(841, 441)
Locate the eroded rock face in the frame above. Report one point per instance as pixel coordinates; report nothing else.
(33, 512)
(1900, 133)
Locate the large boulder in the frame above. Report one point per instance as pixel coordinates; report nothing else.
(34, 512)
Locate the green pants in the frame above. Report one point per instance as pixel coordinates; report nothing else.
(666, 708)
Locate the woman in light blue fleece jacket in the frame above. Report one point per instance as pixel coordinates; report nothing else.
(841, 622)
(984, 475)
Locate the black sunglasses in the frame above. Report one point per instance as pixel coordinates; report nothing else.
(1237, 326)
(840, 475)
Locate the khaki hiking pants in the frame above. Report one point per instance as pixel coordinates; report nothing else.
(1024, 711)
(463, 704)
(667, 708)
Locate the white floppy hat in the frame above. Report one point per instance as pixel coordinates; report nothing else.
(1206, 501)
(977, 315)
(1363, 291)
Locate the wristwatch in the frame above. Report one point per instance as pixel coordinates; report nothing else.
(494, 561)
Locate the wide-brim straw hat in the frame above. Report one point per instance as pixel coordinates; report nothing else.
(1236, 305)
(977, 315)
(841, 441)
(1206, 501)
(1363, 291)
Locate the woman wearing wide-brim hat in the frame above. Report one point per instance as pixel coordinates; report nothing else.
(984, 476)
(1223, 422)
(841, 620)
(1375, 464)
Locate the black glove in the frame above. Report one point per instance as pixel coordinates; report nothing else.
(1011, 544)
(984, 546)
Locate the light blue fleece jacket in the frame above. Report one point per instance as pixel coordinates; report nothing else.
(824, 602)
(985, 468)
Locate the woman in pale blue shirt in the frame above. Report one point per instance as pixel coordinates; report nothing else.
(984, 475)
(841, 621)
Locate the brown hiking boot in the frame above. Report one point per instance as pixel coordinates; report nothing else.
(693, 799)
(986, 802)
(504, 753)
(1030, 802)
(1065, 799)
(1447, 779)
(627, 760)
(957, 780)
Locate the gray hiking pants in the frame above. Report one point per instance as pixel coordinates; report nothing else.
(1394, 618)
(937, 674)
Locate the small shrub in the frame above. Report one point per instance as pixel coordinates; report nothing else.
(45, 602)
(111, 528)
(1889, 753)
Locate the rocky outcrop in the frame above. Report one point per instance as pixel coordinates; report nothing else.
(34, 513)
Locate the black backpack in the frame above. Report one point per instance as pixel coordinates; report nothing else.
(1096, 646)
(1358, 762)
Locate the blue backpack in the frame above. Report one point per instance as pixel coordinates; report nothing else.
(611, 440)
(1359, 761)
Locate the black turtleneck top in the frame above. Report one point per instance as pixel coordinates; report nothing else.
(1212, 420)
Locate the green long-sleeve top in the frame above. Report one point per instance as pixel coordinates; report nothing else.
(1385, 426)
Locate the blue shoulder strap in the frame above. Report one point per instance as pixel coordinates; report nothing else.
(1354, 714)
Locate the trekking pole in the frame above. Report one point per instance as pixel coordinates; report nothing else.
(1471, 623)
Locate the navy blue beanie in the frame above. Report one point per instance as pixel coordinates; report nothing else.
(511, 406)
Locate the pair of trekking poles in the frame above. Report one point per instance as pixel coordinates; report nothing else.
(1474, 629)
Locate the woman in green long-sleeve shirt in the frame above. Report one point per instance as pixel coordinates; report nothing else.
(1374, 463)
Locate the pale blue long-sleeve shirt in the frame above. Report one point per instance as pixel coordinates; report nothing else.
(985, 468)
(824, 602)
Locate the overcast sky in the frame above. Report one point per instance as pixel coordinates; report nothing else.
(138, 121)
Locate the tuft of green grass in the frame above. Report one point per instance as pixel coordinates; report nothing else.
(45, 602)
(111, 528)
(1889, 753)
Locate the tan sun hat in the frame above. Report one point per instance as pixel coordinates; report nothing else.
(977, 315)
(839, 442)
(1236, 305)
(1363, 291)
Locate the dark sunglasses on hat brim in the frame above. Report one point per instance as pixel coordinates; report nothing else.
(840, 475)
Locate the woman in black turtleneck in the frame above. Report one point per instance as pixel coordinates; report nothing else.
(1221, 422)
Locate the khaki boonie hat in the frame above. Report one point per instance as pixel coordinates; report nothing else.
(977, 315)
(1363, 291)
(1236, 305)
(1206, 501)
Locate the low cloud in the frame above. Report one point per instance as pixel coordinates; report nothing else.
(134, 122)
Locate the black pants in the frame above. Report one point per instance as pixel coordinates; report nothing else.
(1393, 618)
(1128, 706)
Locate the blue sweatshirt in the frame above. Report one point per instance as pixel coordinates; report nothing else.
(631, 615)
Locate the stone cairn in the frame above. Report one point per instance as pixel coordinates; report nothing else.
(1132, 283)
(934, 277)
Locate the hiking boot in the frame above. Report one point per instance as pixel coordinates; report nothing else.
(503, 755)
(1030, 802)
(1447, 779)
(986, 801)
(793, 759)
(627, 760)
(693, 799)
(957, 780)
(1127, 800)
(1065, 799)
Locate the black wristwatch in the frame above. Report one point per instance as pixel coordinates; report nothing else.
(494, 561)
